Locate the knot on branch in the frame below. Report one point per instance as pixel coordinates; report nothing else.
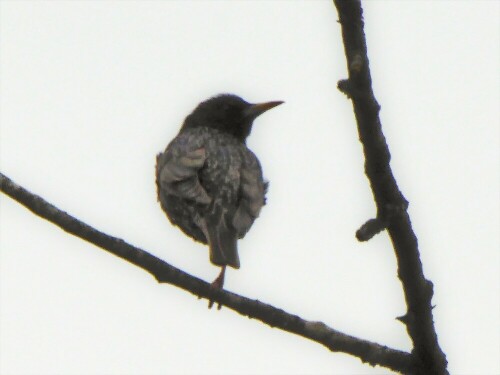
(318, 330)
(384, 218)
(356, 64)
(370, 229)
(353, 91)
(345, 86)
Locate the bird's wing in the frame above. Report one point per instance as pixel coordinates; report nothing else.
(221, 176)
(252, 193)
(177, 173)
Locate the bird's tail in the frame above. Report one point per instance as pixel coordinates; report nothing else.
(222, 241)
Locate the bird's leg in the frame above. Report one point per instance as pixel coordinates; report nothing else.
(217, 284)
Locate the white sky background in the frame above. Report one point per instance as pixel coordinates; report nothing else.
(91, 91)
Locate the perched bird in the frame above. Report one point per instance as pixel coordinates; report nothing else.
(208, 182)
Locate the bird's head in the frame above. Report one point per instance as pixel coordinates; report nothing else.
(227, 113)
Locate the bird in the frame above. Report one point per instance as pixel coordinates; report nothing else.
(209, 183)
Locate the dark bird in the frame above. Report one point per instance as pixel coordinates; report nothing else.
(208, 181)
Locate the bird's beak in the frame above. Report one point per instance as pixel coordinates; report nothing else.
(257, 109)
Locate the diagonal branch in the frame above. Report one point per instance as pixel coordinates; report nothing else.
(391, 204)
(373, 353)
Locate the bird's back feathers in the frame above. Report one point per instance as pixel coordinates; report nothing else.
(211, 186)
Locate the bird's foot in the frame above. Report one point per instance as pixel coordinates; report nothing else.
(217, 284)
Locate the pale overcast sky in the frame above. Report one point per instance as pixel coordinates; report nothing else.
(90, 91)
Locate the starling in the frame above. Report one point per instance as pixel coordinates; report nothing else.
(208, 182)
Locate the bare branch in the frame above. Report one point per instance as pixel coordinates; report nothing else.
(370, 352)
(391, 204)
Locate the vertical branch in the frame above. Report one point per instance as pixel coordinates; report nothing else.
(390, 202)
